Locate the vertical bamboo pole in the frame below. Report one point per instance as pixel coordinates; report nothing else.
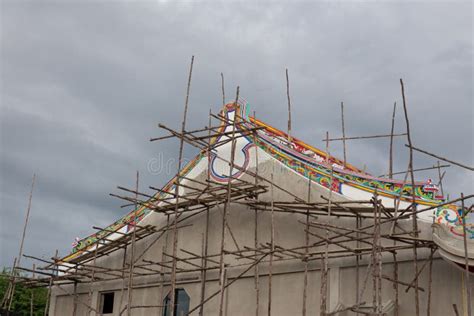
(289, 104)
(226, 293)
(74, 308)
(164, 250)
(206, 236)
(440, 177)
(414, 217)
(226, 207)
(204, 263)
(203, 271)
(343, 133)
(272, 246)
(20, 251)
(122, 289)
(374, 255)
(395, 284)
(466, 258)
(430, 281)
(390, 166)
(32, 298)
(205, 241)
(91, 288)
(256, 272)
(132, 251)
(175, 218)
(48, 295)
(324, 269)
(358, 257)
(223, 91)
(379, 254)
(327, 147)
(305, 280)
(390, 175)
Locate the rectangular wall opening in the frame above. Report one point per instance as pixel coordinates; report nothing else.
(107, 302)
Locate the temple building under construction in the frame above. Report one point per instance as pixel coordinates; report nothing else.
(261, 223)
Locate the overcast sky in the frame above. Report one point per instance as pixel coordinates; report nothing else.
(84, 85)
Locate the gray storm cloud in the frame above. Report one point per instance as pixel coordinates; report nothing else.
(83, 86)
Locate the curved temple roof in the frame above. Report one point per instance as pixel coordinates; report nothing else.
(302, 158)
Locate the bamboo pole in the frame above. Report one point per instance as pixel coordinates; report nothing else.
(289, 104)
(395, 284)
(20, 251)
(324, 270)
(226, 207)
(327, 147)
(414, 219)
(305, 277)
(223, 91)
(430, 282)
(440, 178)
(390, 166)
(272, 247)
(124, 262)
(175, 218)
(91, 288)
(32, 298)
(466, 257)
(343, 133)
(162, 272)
(374, 255)
(48, 295)
(206, 236)
(203, 272)
(439, 157)
(256, 271)
(75, 300)
(363, 137)
(358, 258)
(414, 170)
(379, 254)
(132, 253)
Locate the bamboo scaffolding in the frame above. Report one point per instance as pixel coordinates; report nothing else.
(362, 243)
